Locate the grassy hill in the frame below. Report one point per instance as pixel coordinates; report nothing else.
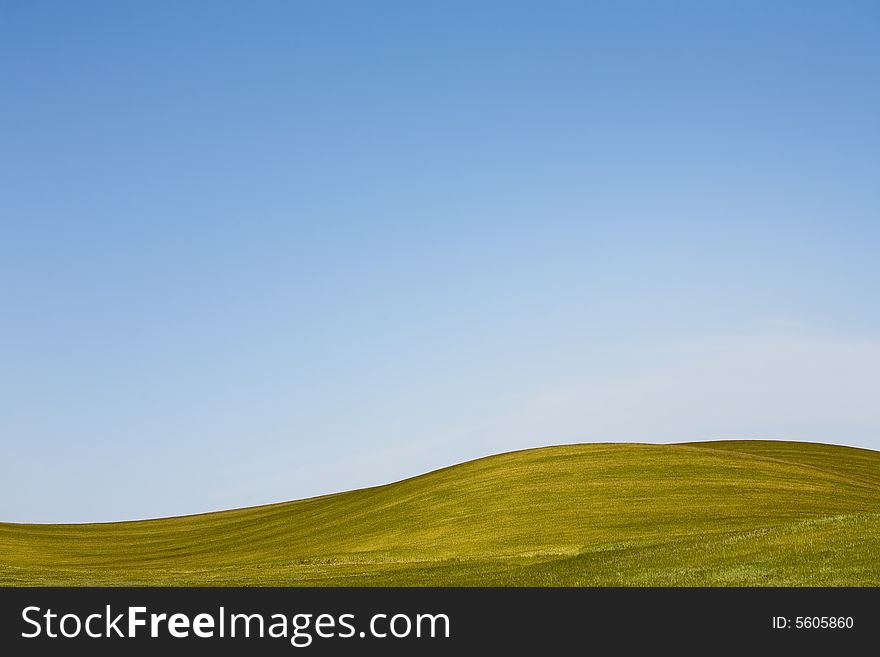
(720, 513)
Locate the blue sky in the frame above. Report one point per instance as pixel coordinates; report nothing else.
(257, 251)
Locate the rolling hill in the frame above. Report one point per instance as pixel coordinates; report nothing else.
(713, 513)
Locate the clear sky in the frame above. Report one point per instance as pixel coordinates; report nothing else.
(255, 251)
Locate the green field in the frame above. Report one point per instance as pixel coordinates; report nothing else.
(719, 513)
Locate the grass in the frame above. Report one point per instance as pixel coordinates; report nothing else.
(718, 514)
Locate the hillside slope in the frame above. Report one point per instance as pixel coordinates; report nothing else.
(718, 513)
